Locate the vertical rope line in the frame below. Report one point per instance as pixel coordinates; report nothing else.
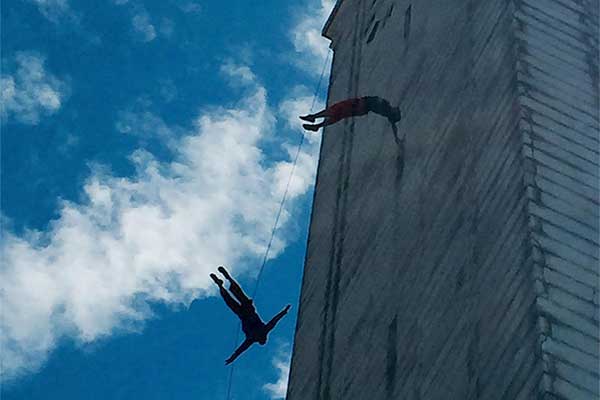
(287, 187)
(277, 218)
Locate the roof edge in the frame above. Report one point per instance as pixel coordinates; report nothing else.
(325, 31)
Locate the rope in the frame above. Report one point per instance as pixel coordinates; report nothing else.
(281, 205)
(287, 187)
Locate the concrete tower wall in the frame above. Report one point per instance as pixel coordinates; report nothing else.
(442, 268)
(557, 70)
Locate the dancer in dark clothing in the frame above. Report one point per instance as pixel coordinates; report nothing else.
(352, 108)
(254, 328)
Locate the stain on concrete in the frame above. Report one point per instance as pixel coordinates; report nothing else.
(391, 357)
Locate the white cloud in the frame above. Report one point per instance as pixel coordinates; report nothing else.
(143, 27)
(147, 125)
(167, 27)
(311, 48)
(153, 237)
(191, 7)
(168, 90)
(70, 142)
(30, 91)
(238, 75)
(144, 124)
(299, 104)
(278, 389)
(53, 10)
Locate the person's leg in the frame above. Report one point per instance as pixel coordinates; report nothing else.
(234, 287)
(231, 303)
(312, 128)
(215, 278)
(312, 117)
(327, 121)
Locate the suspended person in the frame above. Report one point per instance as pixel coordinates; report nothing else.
(352, 108)
(254, 328)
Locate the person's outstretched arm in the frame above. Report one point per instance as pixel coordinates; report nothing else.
(271, 324)
(243, 347)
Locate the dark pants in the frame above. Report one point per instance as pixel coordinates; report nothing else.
(243, 307)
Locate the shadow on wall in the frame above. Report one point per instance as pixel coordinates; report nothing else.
(400, 142)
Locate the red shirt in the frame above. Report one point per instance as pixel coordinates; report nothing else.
(347, 108)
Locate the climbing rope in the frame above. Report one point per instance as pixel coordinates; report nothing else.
(275, 225)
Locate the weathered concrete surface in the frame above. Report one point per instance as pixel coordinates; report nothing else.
(557, 70)
(463, 264)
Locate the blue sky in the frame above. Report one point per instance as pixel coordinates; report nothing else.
(143, 144)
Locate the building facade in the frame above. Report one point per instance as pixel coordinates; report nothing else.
(462, 262)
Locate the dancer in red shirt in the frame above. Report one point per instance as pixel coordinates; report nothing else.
(352, 108)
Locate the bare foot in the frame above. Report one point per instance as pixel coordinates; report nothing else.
(308, 118)
(313, 128)
(216, 279)
(222, 270)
